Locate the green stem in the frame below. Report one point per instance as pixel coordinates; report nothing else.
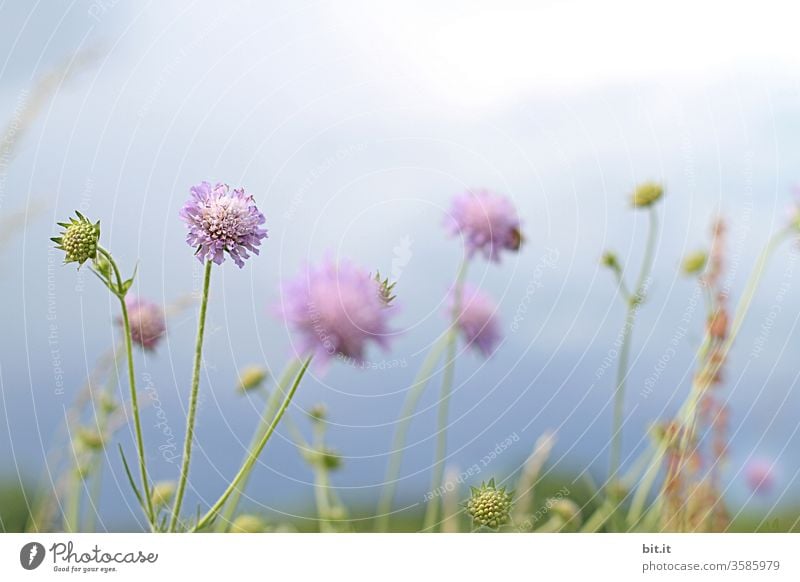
(398, 444)
(432, 511)
(248, 464)
(634, 301)
(190, 420)
(74, 505)
(269, 412)
(132, 382)
(686, 416)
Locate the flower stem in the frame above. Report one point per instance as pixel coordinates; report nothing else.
(633, 303)
(132, 382)
(269, 412)
(190, 420)
(432, 511)
(254, 453)
(398, 444)
(688, 412)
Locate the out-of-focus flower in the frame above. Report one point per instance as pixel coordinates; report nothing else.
(566, 509)
(162, 493)
(694, 263)
(336, 309)
(220, 221)
(477, 321)
(760, 476)
(90, 438)
(488, 222)
(718, 324)
(318, 412)
(489, 506)
(326, 458)
(147, 321)
(646, 194)
(251, 377)
(79, 239)
(248, 524)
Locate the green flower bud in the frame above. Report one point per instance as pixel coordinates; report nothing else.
(386, 289)
(90, 439)
(646, 194)
(610, 260)
(489, 506)
(694, 263)
(318, 412)
(251, 377)
(79, 240)
(567, 510)
(162, 493)
(326, 458)
(247, 523)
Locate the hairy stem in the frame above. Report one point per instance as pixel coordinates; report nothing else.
(137, 423)
(190, 420)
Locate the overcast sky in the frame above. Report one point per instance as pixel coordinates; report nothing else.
(354, 123)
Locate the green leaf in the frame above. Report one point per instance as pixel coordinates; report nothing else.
(130, 477)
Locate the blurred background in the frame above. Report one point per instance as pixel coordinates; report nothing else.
(354, 124)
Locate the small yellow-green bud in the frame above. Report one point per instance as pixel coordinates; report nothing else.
(566, 509)
(318, 412)
(251, 377)
(79, 240)
(162, 493)
(326, 458)
(247, 523)
(610, 260)
(646, 194)
(91, 439)
(489, 506)
(694, 263)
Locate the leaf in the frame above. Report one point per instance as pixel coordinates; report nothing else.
(130, 477)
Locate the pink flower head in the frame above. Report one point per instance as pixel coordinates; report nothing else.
(487, 221)
(336, 310)
(220, 221)
(147, 322)
(760, 476)
(477, 320)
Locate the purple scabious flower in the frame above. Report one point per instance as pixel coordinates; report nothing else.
(336, 310)
(488, 222)
(221, 220)
(147, 322)
(760, 476)
(477, 319)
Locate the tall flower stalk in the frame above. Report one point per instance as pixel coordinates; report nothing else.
(80, 242)
(195, 389)
(488, 225)
(432, 510)
(644, 197)
(219, 221)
